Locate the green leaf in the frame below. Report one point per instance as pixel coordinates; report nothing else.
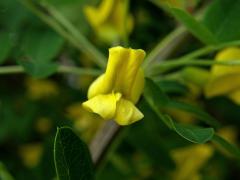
(158, 99)
(194, 110)
(4, 174)
(222, 19)
(38, 51)
(5, 46)
(39, 70)
(198, 29)
(71, 155)
(192, 133)
(173, 87)
(226, 145)
(13, 16)
(153, 93)
(15, 122)
(42, 46)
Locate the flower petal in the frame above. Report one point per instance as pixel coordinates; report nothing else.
(96, 87)
(98, 15)
(223, 79)
(131, 72)
(121, 19)
(123, 74)
(228, 54)
(188, 166)
(104, 105)
(116, 64)
(127, 70)
(235, 96)
(127, 113)
(221, 86)
(137, 87)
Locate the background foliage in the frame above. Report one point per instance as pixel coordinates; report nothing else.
(44, 38)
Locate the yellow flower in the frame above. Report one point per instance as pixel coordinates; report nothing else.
(43, 125)
(39, 88)
(113, 94)
(225, 80)
(230, 134)
(190, 160)
(31, 154)
(110, 20)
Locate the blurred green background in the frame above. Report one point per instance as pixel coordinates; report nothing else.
(31, 109)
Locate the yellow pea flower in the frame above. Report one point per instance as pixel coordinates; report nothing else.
(225, 80)
(41, 88)
(110, 20)
(43, 125)
(113, 94)
(189, 161)
(230, 134)
(31, 154)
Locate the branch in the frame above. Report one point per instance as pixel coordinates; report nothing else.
(103, 140)
(61, 69)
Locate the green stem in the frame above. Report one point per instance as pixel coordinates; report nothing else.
(170, 42)
(79, 71)
(170, 76)
(85, 45)
(48, 20)
(198, 62)
(171, 64)
(62, 26)
(61, 69)
(125, 24)
(164, 48)
(11, 70)
(209, 49)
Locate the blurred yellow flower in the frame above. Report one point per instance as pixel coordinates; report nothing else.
(84, 122)
(225, 80)
(190, 160)
(110, 20)
(113, 94)
(43, 125)
(31, 154)
(39, 88)
(230, 134)
(143, 165)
